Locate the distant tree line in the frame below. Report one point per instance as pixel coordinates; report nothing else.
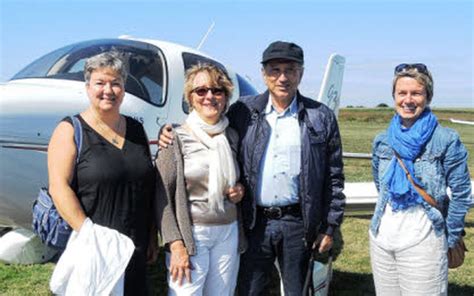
(381, 105)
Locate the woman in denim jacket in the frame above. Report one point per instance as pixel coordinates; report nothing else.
(409, 238)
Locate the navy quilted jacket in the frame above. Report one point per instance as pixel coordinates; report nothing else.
(321, 176)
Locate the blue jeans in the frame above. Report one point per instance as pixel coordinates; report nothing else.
(282, 239)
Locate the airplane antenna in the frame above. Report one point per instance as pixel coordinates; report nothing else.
(205, 36)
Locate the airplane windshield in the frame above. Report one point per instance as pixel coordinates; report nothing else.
(40, 67)
(146, 66)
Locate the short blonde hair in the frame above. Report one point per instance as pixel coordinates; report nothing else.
(424, 79)
(217, 77)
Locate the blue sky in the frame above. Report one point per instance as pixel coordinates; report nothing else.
(374, 36)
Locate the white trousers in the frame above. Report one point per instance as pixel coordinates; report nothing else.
(216, 262)
(418, 270)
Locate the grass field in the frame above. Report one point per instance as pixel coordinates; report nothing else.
(352, 274)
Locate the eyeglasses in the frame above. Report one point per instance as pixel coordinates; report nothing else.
(405, 67)
(276, 72)
(202, 91)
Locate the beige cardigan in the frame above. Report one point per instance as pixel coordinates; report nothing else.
(171, 200)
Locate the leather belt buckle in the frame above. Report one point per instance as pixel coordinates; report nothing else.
(273, 212)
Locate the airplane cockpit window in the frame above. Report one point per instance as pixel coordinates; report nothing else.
(146, 79)
(41, 66)
(191, 59)
(78, 66)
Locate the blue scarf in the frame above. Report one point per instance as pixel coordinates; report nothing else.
(408, 143)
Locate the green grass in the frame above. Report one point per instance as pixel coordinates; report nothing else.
(25, 279)
(352, 274)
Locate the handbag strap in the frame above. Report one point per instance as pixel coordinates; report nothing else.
(77, 135)
(420, 190)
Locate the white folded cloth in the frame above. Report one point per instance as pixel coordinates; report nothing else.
(93, 262)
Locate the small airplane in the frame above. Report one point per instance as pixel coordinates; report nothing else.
(40, 95)
(35, 99)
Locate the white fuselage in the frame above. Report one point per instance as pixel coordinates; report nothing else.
(31, 108)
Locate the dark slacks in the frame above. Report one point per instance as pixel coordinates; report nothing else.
(282, 239)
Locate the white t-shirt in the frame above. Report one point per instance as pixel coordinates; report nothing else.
(402, 229)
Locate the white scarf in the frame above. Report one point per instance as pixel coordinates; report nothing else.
(221, 163)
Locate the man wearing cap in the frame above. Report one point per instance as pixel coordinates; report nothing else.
(291, 159)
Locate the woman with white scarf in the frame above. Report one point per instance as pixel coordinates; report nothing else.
(197, 194)
(415, 223)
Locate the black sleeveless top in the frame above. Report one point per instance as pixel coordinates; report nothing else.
(115, 188)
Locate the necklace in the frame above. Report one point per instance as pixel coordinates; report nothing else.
(102, 125)
(114, 139)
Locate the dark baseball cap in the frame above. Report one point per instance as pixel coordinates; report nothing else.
(283, 50)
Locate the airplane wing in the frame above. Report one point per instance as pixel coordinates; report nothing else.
(461, 121)
(357, 155)
(330, 91)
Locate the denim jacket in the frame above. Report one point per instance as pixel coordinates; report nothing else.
(441, 164)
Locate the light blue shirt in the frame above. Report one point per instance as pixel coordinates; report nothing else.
(278, 183)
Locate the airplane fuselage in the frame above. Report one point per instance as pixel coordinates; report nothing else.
(37, 99)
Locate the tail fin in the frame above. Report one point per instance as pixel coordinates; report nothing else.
(330, 92)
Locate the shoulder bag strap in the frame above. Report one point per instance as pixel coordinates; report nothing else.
(420, 190)
(77, 135)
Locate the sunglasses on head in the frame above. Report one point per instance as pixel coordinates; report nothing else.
(202, 91)
(421, 68)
